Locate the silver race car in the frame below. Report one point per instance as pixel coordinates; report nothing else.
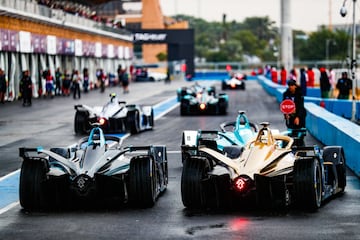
(115, 116)
(95, 171)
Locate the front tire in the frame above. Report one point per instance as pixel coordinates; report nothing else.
(142, 182)
(307, 183)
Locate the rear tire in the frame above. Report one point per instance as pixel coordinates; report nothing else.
(81, 121)
(142, 182)
(133, 119)
(151, 122)
(195, 169)
(307, 183)
(32, 191)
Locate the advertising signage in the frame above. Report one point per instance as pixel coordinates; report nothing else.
(26, 42)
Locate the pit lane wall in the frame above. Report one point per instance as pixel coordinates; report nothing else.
(328, 124)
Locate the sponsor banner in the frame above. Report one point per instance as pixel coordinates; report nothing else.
(13, 41)
(110, 51)
(104, 50)
(25, 42)
(51, 45)
(38, 43)
(120, 52)
(5, 40)
(78, 47)
(98, 50)
(68, 47)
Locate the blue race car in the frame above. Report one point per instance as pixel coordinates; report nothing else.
(204, 102)
(242, 131)
(193, 90)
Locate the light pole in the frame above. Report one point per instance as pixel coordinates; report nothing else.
(343, 13)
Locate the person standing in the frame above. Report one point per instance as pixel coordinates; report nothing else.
(86, 80)
(58, 82)
(303, 81)
(76, 83)
(324, 83)
(296, 119)
(283, 75)
(125, 81)
(344, 85)
(293, 75)
(26, 88)
(49, 84)
(311, 77)
(66, 83)
(274, 75)
(332, 80)
(2, 86)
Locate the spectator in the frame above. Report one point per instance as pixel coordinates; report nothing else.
(274, 75)
(86, 80)
(293, 75)
(332, 80)
(283, 75)
(2, 86)
(324, 83)
(76, 83)
(49, 83)
(303, 81)
(66, 83)
(58, 82)
(26, 88)
(125, 81)
(311, 77)
(344, 85)
(119, 72)
(296, 119)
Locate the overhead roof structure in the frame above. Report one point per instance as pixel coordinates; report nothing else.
(99, 2)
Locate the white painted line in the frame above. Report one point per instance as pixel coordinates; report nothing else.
(9, 175)
(8, 207)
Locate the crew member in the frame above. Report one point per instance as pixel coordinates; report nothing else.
(296, 119)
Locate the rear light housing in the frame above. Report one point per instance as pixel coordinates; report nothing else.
(243, 184)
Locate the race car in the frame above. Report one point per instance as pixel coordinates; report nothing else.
(242, 131)
(204, 103)
(114, 116)
(236, 81)
(94, 171)
(269, 170)
(193, 90)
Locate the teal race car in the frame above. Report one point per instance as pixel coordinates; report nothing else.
(242, 131)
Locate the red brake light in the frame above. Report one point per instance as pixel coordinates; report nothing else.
(202, 106)
(233, 85)
(242, 184)
(102, 121)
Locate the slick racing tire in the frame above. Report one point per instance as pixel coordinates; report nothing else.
(195, 169)
(151, 120)
(307, 183)
(142, 182)
(133, 119)
(32, 192)
(184, 106)
(81, 121)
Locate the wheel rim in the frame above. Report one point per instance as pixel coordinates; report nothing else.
(317, 184)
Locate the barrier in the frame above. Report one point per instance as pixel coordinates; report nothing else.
(328, 124)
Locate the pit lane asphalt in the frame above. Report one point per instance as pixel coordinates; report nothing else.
(51, 123)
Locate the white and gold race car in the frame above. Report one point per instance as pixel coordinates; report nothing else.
(270, 170)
